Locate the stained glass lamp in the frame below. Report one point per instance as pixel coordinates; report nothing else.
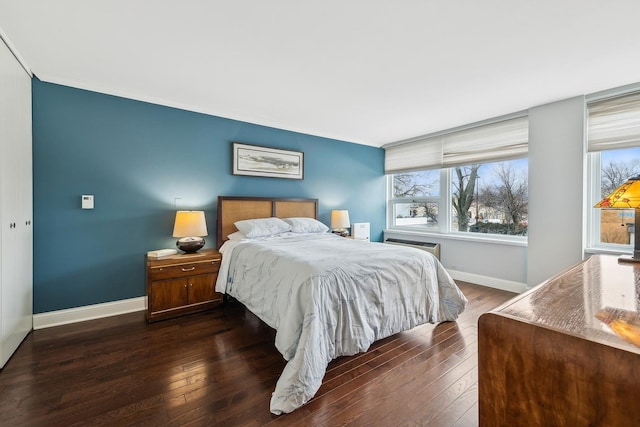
(627, 196)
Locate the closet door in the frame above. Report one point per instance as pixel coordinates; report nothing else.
(16, 237)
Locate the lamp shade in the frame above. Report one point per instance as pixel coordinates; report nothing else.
(624, 197)
(340, 219)
(190, 224)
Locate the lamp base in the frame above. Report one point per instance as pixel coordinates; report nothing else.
(190, 244)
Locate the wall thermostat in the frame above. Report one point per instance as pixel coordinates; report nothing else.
(87, 201)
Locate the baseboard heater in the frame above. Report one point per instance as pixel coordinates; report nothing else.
(434, 248)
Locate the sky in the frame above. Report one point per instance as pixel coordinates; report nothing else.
(621, 155)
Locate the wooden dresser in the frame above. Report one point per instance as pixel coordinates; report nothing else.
(546, 359)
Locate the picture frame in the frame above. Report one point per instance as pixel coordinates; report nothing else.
(256, 160)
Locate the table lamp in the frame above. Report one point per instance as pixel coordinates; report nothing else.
(340, 221)
(627, 196)
(190, 226)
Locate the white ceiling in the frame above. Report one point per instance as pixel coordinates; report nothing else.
(364, 71)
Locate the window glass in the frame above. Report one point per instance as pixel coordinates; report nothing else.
(413, 185)
(416, 214)
(490, 198)
(617, 225)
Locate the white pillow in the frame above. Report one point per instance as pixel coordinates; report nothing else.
(306, 225)
(262, 227)
(236, 236)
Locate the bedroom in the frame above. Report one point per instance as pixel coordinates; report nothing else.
(142, 161)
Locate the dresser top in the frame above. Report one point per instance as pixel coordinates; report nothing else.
(584, 300)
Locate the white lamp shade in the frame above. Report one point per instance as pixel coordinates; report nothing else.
(190, 224)
(340, 219)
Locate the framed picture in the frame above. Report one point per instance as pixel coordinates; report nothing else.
(254, 160)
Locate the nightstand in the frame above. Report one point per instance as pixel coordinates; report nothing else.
(182, 284)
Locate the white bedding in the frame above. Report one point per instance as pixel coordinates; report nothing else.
(328, 296)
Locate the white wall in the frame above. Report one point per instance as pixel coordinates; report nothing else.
(556, 182)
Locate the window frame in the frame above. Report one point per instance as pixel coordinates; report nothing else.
(445, 211)
(593, 229)
(393, 201)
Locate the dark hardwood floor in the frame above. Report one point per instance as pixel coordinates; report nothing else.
(220, 367)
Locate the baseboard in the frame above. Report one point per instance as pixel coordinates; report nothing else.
(88, 312)
(492, 282)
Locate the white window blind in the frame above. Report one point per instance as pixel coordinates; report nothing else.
(614, 123)
(499, 140)
(425, 153)
(504, 140)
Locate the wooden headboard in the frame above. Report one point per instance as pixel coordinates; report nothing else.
(237, 208)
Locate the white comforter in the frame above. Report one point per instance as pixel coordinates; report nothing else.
(328, 296)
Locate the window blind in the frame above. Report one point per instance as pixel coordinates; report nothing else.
(504, 140)
(498, 140)
(418, 154)
(614, 123)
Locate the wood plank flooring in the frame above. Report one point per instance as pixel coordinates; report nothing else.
(220, 368)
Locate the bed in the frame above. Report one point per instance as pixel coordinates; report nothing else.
(325, 295)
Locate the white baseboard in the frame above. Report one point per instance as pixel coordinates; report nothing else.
(88, 312)
(492, 282)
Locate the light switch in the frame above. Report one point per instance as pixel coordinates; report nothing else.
(87, 201)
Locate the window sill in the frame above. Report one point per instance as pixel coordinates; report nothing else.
(470, 237)
(608, 251)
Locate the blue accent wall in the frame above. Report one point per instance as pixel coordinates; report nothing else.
(137, 158)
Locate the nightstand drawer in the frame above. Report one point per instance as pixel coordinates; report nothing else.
(192, 269)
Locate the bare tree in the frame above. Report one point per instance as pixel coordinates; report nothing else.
(615, 173)
(464, 187)
(410, 185)
(509, 195)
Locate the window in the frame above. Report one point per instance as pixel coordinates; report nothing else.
(489, 198)
(415, 199)
(496, 204)
(611, 228)
(613, 133)
(473, 179)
